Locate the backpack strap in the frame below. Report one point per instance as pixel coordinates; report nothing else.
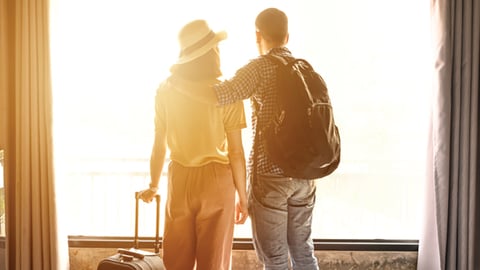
(282, 61)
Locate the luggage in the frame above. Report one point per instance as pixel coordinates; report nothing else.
(134, 258)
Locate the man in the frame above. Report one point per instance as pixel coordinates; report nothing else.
(280, 207)
(207, 159)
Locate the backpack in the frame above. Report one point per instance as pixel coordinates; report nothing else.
(302, 139)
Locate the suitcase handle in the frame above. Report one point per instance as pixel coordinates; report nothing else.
(125, 258)
(157, 222)
(130, 253)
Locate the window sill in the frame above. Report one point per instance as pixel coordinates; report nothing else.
(246, 243)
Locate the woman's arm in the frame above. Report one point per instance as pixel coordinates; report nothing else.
(157, 159)
(237, 163)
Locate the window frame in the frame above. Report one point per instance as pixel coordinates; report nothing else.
(247, 243)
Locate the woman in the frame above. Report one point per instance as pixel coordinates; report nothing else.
(207, 163)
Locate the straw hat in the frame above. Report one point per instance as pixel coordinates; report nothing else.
(195, 39)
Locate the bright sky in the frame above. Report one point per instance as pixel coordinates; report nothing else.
(110, 55)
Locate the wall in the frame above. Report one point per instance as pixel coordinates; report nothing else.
(88, 258)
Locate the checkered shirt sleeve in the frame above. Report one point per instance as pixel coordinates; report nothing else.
(256, 80)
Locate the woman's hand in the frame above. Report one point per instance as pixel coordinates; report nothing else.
(241, 211)
(147, 195)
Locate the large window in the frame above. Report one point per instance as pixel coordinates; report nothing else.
(108, 57)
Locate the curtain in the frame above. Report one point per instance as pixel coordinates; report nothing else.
(451, 238)
(32, 241)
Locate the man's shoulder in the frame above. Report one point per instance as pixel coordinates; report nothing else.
(281, 51)
(254, 62)
(266, 59)
(257, 64)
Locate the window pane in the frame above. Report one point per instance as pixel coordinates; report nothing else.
(109, 56)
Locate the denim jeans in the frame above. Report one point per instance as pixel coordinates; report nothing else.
(281, 210)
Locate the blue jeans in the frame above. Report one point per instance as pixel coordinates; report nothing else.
(281, 210)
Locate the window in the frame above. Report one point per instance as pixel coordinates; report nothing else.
(109, 56)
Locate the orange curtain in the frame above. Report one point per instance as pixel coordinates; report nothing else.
(26, 135)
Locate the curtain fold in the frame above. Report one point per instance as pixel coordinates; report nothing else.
(6, 83)
(451, 231)
(32, 241)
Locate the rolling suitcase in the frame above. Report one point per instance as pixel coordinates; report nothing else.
(134, 258)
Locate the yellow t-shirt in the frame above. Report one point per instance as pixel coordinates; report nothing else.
(195, 131)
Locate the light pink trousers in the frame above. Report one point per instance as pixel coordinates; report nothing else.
(199, 217)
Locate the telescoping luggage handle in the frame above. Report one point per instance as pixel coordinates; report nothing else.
(157, 222)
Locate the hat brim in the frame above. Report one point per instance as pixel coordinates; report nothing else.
(219, 36)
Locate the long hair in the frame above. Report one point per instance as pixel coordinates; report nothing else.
(204, 67)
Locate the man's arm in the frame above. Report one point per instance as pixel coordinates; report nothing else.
(157, 159)
(237, 163)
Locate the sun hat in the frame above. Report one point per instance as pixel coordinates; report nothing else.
(195, 39)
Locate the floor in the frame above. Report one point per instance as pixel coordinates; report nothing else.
(88, 258)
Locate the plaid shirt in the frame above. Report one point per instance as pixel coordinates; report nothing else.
(256, 80)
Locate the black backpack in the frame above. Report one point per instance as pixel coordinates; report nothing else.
(302, 139)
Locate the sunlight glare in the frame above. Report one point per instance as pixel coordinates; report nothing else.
(109, 56)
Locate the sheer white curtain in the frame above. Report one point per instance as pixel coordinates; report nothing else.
(451, 238)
